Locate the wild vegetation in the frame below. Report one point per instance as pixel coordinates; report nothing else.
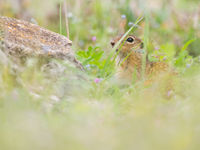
(65, 108)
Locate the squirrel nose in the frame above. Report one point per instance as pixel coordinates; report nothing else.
(112, 43)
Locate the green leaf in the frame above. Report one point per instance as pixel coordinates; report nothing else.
(187, 44)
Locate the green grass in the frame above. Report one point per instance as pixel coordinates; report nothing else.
(66, 109)
(60, 14)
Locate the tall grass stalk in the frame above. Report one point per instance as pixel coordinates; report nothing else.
(60, 15)
(118, 43)
(66, 18)
(146, 40)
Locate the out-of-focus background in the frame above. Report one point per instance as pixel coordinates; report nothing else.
(89, 111)
(96, 22)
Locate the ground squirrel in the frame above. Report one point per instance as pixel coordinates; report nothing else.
(130, 56)
(19, 38)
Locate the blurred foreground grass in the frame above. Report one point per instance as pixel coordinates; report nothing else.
(37, 112)
(69, 109)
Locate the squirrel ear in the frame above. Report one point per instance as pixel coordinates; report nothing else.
(122, 24)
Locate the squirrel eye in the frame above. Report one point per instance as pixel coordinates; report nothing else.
(130, 40)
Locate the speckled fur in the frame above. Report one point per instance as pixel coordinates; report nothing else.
(20, 38)
(132, 66)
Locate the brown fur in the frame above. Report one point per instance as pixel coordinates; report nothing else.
(132, 66)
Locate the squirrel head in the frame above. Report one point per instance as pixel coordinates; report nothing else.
(130, 43)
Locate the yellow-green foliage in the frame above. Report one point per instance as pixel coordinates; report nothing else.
(65, 108)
